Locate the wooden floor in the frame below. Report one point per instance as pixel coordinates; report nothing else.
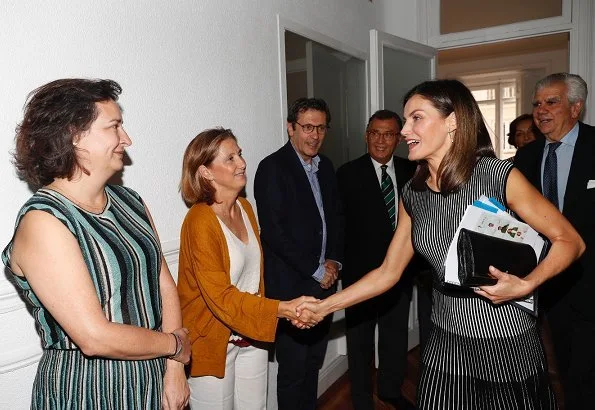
(337, 397)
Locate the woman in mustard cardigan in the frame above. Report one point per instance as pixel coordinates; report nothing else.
(220, 280)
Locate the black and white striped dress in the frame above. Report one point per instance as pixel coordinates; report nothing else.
(479, 355)
(123, 258)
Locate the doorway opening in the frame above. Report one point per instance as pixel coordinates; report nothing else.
(316, 70)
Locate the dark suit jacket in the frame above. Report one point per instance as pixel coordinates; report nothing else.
(368, 229)
(577, 283)
(291, 227)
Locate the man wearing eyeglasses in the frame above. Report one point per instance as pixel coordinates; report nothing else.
(369, 188)
(302, 240)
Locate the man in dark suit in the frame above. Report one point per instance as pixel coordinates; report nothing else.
(567, 299)
(302, 239)
(369, 188)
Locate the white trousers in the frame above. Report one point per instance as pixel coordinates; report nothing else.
(244, 386)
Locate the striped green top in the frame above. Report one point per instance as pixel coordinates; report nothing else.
(122, 255)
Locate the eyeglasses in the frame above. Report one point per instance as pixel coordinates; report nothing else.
(308, 128)
(387, 136)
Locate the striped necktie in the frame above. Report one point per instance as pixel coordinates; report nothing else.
(388, 192)
(550, 174)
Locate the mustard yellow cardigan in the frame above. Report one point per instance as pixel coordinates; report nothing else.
(211, 305)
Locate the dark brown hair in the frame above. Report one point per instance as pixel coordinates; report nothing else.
(301, 105)
(471, 138)
(202, 150)
(386, 115)
(515, 123)
(54, 114)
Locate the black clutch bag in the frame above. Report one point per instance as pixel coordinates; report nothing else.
(477, 251)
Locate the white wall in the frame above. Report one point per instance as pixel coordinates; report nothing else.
(184, 66)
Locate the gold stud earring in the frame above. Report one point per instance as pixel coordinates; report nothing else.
(450, 134)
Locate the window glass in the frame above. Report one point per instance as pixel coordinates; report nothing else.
(485, 94)
(509, 113)
(498, 101)
(488, 109)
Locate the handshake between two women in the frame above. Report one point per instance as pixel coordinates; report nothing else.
(302, 312)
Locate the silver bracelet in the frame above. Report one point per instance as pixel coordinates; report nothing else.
(178, 346)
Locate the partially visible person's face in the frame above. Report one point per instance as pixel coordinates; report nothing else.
(101, 148)
(228, 169)
(552, 112)
(307, 144)
(524, 133)
(426, 130)
(382, 136)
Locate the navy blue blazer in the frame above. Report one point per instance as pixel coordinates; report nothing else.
(577, 283)
(290, 223)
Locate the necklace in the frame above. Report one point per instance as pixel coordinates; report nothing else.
(90, 208)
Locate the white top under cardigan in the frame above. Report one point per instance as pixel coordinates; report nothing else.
(244, 259)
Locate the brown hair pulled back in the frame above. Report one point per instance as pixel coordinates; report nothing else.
(202, 150)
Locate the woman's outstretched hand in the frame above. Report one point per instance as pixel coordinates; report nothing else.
(509, 287)
(311, 310)
(307, 315)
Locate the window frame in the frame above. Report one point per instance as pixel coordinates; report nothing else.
(431, 29)
(498, 81)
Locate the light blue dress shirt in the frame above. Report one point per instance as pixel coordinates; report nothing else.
(311, 169)
(564, 156)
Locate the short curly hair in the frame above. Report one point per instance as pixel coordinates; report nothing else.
(55, 114)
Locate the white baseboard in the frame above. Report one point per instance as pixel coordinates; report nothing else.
(331, 373)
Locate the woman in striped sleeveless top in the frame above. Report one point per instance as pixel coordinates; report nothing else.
(481, 352)
(87, 260)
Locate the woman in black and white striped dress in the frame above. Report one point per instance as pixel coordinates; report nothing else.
(481, 354)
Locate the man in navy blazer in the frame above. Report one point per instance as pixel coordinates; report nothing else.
(302, 240)
(368, 232)
(567, 299)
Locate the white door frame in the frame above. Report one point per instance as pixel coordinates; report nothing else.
(380, 39)
(577, 19)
